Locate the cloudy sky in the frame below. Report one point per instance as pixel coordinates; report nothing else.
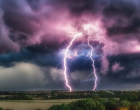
(34, 35)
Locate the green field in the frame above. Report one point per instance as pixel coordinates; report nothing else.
(32, 104)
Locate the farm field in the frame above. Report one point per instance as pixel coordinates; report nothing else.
(32, 104)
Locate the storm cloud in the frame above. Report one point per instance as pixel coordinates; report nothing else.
(35, 33)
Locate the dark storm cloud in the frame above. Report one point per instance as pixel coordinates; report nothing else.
(44, 56)
(133, 27)
(15, 17)
(79, 6)
(122, 18)
(34, 4)
(36, 55)
(119, 8)
(131, 64)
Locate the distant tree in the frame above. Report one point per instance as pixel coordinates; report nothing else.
(132, 97)
(96, 97)
(52, 93)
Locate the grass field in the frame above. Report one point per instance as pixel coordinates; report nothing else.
(32, 104)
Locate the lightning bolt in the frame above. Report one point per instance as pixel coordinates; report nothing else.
(65, 60)
(94, 69)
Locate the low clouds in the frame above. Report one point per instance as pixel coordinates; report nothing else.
(23, 76)
(57, 74)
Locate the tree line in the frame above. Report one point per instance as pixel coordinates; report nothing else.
(98, 104)
(122, 95)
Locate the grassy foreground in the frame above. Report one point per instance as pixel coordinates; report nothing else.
(32, 104)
